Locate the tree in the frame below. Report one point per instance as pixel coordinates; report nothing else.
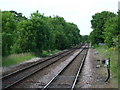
(85, 38)
(111, 32)
(98, 21)
(37, 33)
(8, 29)
(10, 20)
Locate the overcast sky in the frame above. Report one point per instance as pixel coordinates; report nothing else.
(76, 11)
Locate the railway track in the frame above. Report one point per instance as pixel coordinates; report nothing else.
(68, 76)
(19, 75)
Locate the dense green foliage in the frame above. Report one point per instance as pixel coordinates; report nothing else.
(111, 32)
(85, 38)
(105, 29)
(36, 33)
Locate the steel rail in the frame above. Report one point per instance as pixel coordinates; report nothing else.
(35, 71)
(47, 85)
(79, 70)
(43, 60)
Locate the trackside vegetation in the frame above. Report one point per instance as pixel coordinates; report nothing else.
(105, 37)
(36, 33)
(111, 53)
(18, 58)
(105, 29)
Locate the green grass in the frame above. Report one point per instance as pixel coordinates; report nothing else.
(18, 58)
(111, 53)
(48, 53)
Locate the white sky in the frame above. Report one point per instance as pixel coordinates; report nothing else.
(76, 11)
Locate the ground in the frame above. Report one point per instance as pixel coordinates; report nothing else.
(93, 74)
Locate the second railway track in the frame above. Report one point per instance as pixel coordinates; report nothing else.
(19, 75)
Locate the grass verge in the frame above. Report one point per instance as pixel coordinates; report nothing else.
(111, 53)
(18, 58)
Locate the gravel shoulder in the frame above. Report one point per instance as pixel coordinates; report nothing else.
(12, 68)
(94, 73)
(92, 76)
(40, 78)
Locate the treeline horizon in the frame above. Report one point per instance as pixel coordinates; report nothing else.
(36, 33)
